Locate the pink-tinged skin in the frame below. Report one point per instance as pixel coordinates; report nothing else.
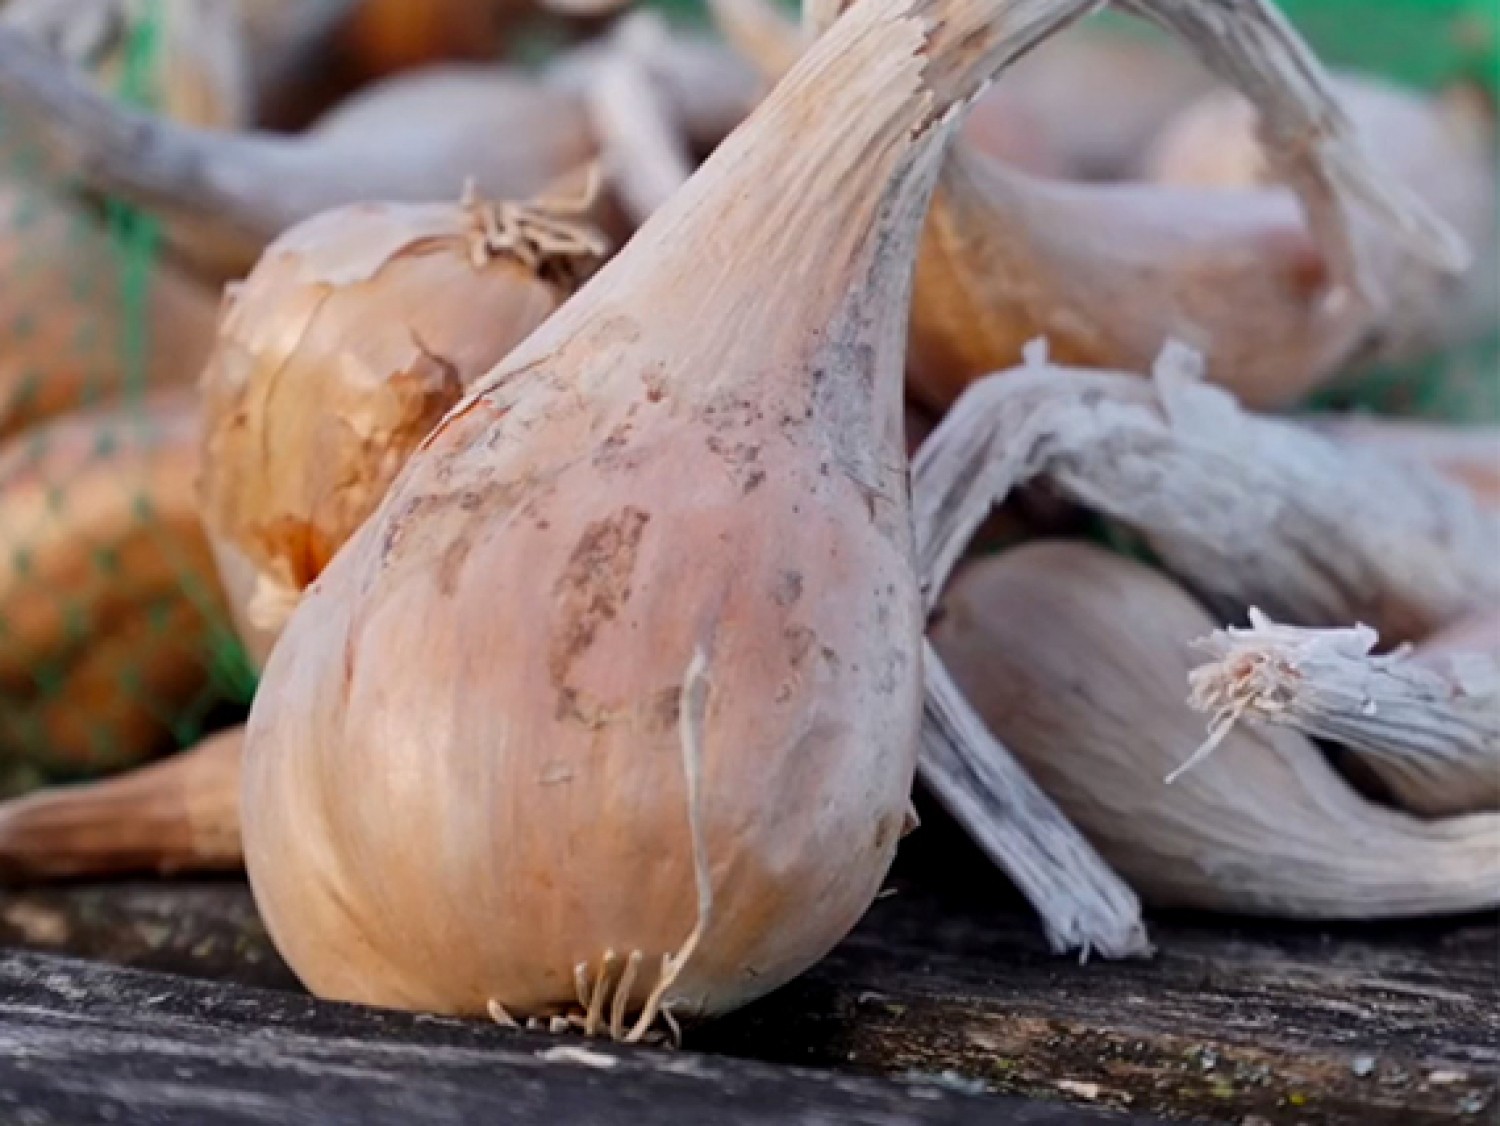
(809, 628)
(466, 768)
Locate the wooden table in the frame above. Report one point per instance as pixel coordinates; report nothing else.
(165, 1003)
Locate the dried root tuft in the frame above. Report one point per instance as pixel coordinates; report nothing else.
(549, 236)
(1430, 734)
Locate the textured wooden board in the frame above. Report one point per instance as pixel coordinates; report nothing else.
(84, 1042)
(1393, 1026)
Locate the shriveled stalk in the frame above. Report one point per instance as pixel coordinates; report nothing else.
(1466, 453)
(1249, 511)
(180, 814)
(1082, 904)
(277, 42)
(644, 145)
(418, 137)
(1430, 732)
(1077, 659)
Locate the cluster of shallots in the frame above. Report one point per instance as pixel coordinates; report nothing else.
(551, 448)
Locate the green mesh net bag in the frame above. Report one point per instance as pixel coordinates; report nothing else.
(114, 644)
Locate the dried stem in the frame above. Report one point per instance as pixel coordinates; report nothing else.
(1250, 511)
(640, 141)
(1083, 905)
(194, 173)
(1470, 454)
(247, 188)
(761, 32)
(708, 87)
(1430, 733)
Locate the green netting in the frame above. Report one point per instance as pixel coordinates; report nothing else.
(113, 642)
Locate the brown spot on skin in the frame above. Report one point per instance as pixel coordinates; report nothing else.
(788, 589)
(609, 454)
(450, 563)
(665, 709)
(741, 460)
(592, 588)
(799, 641)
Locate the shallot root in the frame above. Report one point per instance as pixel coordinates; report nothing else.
(1429, 732)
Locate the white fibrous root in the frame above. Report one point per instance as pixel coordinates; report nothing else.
(1429, 732)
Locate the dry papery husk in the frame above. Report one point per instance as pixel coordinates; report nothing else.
(107, 591)
(65, 318)
(1077, 658)
(1466, 453)
(630, 652)
(1279, 296)
(355, 333)
(1442, 146)
(180, 814)
(1247, 510)
(415, 137)
(1429, 730)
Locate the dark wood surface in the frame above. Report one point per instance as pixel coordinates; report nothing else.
(943, 991)
(84, 1043)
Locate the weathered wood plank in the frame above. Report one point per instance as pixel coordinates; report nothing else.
(1393, 1026)
(84, 1043)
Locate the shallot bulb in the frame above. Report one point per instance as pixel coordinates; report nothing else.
(353, 336)
(611, 708)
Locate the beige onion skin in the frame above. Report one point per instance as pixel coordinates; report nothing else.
(355, 333)
(464, 769)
